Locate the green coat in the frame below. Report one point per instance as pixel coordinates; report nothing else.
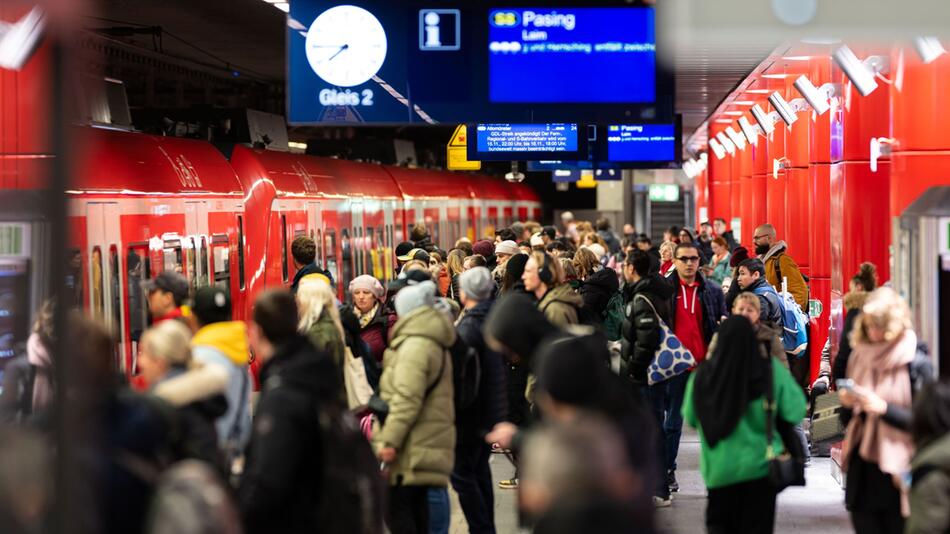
(741, 456)
(421, 429)
(930, 493)
(560, 304)
(324, 335)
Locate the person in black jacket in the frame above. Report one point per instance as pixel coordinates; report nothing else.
(646, 245)
(304, 251)
(641, 331)
(471, 477)
(280, 489)
(596, 283)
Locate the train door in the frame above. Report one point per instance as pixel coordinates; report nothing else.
(388, 239)
(196, 250)
(358, 239)
(104, 273)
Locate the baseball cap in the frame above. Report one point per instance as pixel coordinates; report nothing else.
(415, 254)
(402, 251)
(212, 305)
(169, 282)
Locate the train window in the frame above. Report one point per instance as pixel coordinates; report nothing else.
(191, 261)
(114, 283)
(346, 260)
(171, 255)
(220, 266)
(95, 271)
(203, 260)
(74, 279)
(330, 249)
(361, 250)
(240, 251)
(283, 247)
(320, 254)
(137, 270)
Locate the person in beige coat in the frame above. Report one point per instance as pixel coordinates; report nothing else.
(416, 440)
(544, 278)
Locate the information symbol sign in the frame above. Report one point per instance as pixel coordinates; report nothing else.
(440, 29)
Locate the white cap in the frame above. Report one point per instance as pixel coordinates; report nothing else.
(536, 240)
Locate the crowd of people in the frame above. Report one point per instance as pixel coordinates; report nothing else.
(575, 352)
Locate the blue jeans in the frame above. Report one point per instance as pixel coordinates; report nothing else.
(666, 402)
(439, 511)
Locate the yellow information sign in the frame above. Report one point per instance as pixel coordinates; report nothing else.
(587, 180)
(456, 153)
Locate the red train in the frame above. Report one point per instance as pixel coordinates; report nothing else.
(142, 204)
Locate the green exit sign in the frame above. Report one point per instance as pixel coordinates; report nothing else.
(664, 192)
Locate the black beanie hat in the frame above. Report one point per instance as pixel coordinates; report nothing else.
(573, 369)
(515, 322)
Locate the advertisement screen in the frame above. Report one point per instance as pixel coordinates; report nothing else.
(533, 53)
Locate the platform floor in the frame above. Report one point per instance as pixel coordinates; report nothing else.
(817, 508)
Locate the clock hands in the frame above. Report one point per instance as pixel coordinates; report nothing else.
(338, 52)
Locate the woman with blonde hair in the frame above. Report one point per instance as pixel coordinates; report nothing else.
(455, 265)
(320, 319)
(884, 372)
(667, 249)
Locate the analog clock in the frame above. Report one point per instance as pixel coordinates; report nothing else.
(346, 45)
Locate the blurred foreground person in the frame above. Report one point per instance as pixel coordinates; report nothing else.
(26, 481)
(576, 479)
(885, 372)
(416, 435)
(28, 380)
(724, 401)
(930, 493)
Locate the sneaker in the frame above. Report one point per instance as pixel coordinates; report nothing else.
(671, 482)
(662, 502)
(511, 483)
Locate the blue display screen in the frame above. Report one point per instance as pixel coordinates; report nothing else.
(555, 54)
(548, 138)
(641, 142)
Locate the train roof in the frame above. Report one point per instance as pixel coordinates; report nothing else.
(132, 162)
(425, 183)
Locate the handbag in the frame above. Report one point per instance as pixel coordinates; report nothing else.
(672, 358)
(358, 390)
(788, 468)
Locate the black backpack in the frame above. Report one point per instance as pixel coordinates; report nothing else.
(352, 490)
(466, 373)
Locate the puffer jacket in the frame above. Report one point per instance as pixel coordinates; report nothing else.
(560, 304)
(420, 427)
(641, 331)
(775, 260)
(596, 291)
(930, 493)
(769, 301)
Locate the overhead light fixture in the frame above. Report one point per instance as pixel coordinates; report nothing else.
(765, 120)
(796, 58)
(757, 91)
(726, 143)
(736, 138)
(704, 158)
(723, 121)
(783, 108)
(929, 48)
(861, 73)
(691, 168)
(748, 131)
(742, 103)
(294, 145)
(818, 97)
(776, 76)
(733, 113)
(717, 149)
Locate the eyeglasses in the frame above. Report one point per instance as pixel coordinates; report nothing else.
(757, 237)
(688, 259)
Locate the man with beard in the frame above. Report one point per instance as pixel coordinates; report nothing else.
(778, 264)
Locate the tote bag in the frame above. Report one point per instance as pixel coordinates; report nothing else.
(358, 390)
(671, 357)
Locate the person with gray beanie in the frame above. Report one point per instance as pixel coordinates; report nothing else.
(471, 477)
(416, 440)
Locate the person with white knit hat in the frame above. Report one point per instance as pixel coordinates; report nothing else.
(503, 251)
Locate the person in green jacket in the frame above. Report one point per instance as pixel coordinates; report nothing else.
(320, 320)
(544, 278)
(725, 401)
(930, 468)
(417, 439)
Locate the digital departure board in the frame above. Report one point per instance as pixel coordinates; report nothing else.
(641, 142)
(503, 142)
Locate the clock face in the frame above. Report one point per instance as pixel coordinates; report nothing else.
(346, 46)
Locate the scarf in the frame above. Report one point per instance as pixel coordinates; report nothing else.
(725, 384)
(39, 358)
(882, 368)
(366, 318)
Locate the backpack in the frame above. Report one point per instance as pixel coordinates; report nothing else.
(794, 321)
(614, 316)
(466, 373)
(191, 498)
(352, 491)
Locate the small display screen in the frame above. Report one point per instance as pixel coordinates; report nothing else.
(554, 54)
(641, 142)
(525, 141)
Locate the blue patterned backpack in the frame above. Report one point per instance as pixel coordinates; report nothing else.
(671, 358)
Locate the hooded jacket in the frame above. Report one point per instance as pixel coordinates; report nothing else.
(420, 426)
(312, 268)
(491, 404)
(193, 434)
(776, 260)
(224, 345)
(597, 290)
(710, 295)
(768, 298)
(560, 305)
(283, 470)
(640, 327)
(930, 493)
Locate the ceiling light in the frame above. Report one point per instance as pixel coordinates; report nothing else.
(775, 76)
(743, 103)
(733, 113)
(726, 143)
(736, 138)
(783, 108)
(929, 48)
(765, 120)
(817, 97)
(723, 121)
(757, 91)
(861, 73)
(717, 149)
(751, 135)
(796, 58)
